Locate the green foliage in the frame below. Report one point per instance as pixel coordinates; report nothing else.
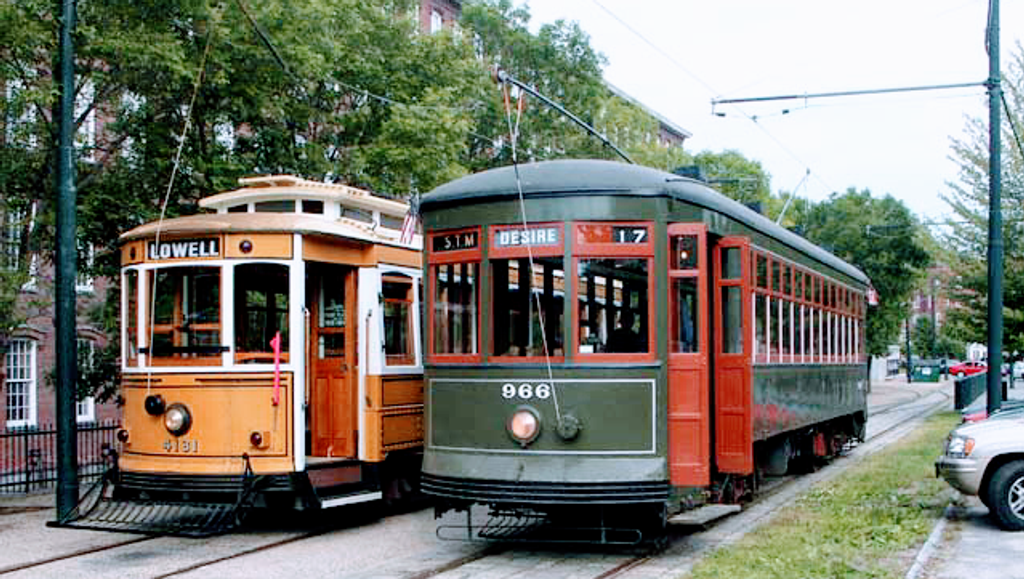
(883, 239)
(924, 339)
(735, 176)
(966, 239)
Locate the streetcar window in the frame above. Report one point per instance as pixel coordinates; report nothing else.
(732, 319)
(798, 284)
(398, 320)
(287, 206)
(731, 264)
(261, 312)
(185, 324)
(684, 316)
(357, 214)
(761, 328)
(613, 305)
(391, 222)
(455, 308)
(776, 275)
(527, 306)
(313, 206)
(684, 252)
(762, 271)
(786, 329)
(131, 317)
(243, 208)
(787, 281)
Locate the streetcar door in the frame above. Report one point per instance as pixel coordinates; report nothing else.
(688, 415)
(332, 399)
(734, 435)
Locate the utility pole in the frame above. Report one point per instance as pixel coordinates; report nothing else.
(64, 312)
(995, 218)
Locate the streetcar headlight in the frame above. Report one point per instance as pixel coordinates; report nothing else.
(177, 419)
(959, 446)
(524, 425)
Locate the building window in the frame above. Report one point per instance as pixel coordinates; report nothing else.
(84, 283)
(21, 383)
(436, 21)
(20, 117)
(85, 408)
(85, 137)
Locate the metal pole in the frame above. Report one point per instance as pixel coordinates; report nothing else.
(995, 218)
(64, 312)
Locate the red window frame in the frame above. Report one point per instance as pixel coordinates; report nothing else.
(585, 249)
(471, 255)
(556, 249)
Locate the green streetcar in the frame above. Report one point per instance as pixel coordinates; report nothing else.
(610, 345)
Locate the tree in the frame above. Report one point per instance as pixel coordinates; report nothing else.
(882, 238)
(966, 239)
(736, 176)
(341, 89)
(558, 62)
(923, 338)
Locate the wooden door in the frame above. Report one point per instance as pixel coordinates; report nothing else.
(734, 434)
(333, 321)
(689, 422)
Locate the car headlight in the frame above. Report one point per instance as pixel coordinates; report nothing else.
(177, 419)
(524, 425)
(959, 446)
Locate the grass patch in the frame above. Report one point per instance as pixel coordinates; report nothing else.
(859, 524)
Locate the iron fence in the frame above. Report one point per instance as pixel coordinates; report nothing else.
(28, 456)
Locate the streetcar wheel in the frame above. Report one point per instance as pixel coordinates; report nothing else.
(1006, 495)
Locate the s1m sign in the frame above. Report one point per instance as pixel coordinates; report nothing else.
(184, 249)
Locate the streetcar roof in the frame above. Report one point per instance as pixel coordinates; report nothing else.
(290, 187)
(587, 176)
(209, 223)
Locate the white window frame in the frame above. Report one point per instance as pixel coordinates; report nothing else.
(85, 410)
(436, 21)
(27, 117)
(84, 282)
(85, 135)
(22, 380)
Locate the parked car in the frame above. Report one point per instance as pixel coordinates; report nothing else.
(967, 368)
(978, 410)
(1018, 370)
(987, 459)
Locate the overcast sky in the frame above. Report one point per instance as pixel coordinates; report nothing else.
(677, 55)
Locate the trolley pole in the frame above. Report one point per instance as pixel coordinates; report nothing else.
(64, 312)
(995, 218)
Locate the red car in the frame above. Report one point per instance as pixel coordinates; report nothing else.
(967, 368)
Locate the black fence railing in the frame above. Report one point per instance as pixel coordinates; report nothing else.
(28, 456)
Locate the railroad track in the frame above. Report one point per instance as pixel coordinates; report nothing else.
(681, 550)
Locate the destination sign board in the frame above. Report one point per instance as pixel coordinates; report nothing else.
(532, 237)
(183, 249)
(455, 241)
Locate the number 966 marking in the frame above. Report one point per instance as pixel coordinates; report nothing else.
(525, 391)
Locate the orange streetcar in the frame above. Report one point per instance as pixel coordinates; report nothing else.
(271, 357)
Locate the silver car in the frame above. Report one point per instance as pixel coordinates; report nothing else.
(987, 459)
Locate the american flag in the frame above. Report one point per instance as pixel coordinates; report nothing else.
(410, 221)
